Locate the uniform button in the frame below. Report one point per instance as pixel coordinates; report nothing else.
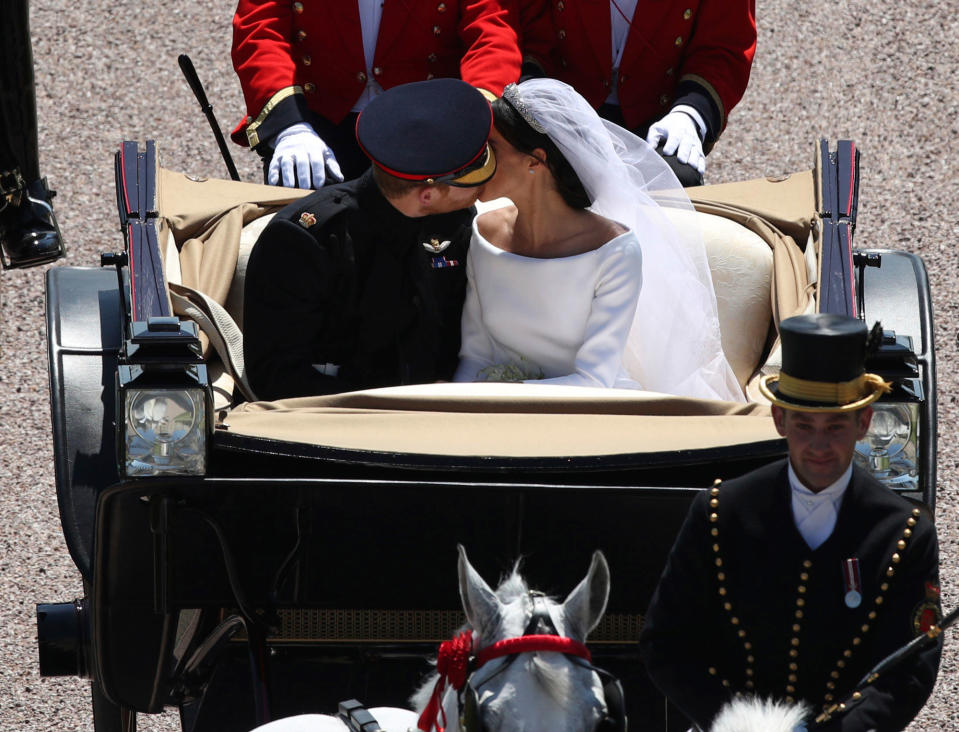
(791, 689)
(307, 60)
(309, 87)
(301, 35)
(564, 63)
(429, 76)
(678, 41)
(361, 77)
(431, 58)
(687, 14)
(749, 684)
(606, 85)
(622, 79)
(561, 6)
(437, 30)
(662, 100)
(441, 8)
(377, 71)
(298, 8)
(670, 71)
(748, 646)
(561, 34)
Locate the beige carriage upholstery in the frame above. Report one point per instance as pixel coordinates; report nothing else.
(759, 273)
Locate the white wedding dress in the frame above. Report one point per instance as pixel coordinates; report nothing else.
(563, 320)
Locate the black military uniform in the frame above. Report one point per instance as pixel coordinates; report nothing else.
(29, 234)
(345, 292)
(745, 605)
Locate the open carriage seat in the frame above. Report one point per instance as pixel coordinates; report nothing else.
(759, 272)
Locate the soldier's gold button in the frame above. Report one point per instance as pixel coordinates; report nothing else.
(722, 592)
(429, 76)
(716, 547)
(727, 606)
(793, 678)
(678, 41)
(309, 87)
(687, 14)
(721, 576)
(734, 620)
(856, 695)
(804, 576)
(901, 545)
(712, 671)
(856, 641)
(793, 653)
(847, 653)
(884, 586)
(890, 571)
(714, 531)
(907, 533)
(879, 600)
(437, 30)
(670, 71)
(297, 8)
(561, 34)
(790, 700)
(828, 697)
(431, 58)
(830, 685)
(726, 683)
(834, 674)
(864, 628)
(801, 589)
(713, 502)
(377, 71)
(796, 627)
(871, 615)
(719, 561)
(840, 663)
(911, 522)
(441, 7)
(800, 602)
(361, 77)
(741, 633)
(807, 563)
(794, 641)
(717, 481)
(300, 35)
(662, 102)
(750, 684)
(790, 689)
(915, 512)
(749, 672)
(798, 614)
(714, 517)
(748, 646)
(750, 659)
(561, 6)
(307, 60)
(714, 491)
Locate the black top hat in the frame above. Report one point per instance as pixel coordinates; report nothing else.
(824, 366)
(431, 131)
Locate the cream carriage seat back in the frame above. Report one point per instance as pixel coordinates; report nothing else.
(741, 265)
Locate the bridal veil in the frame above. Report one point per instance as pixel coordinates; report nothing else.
(674, 345)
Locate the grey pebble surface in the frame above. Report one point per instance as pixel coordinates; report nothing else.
(881, 73)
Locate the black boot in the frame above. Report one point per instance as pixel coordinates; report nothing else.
(29, 234)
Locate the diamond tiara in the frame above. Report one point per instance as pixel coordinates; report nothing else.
(513, 97)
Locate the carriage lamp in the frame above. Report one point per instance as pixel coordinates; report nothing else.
(890, 448)
(165, 425)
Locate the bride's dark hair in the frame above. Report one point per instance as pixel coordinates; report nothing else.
(517, 132)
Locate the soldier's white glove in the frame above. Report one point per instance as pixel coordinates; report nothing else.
(302, 159)
(682, 139)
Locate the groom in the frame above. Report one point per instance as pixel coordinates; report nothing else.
(361, 284)
(796, 579)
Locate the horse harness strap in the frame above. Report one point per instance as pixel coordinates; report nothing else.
(356, 717)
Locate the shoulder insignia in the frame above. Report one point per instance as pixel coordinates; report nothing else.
(307, 220)
(926, 615)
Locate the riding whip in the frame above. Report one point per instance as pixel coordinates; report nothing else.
(917, 644)
(186, 66)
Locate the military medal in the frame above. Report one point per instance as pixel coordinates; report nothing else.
(441, 262)
(853, 584)
(435, 246)
(307, 219)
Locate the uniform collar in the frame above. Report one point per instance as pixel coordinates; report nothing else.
(832, 492)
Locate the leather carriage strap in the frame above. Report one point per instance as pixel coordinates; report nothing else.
(224, 334)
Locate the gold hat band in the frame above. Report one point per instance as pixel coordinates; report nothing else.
(842, 392)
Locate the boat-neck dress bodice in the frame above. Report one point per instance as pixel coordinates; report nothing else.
(563, 320)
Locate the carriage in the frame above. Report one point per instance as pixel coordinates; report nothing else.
(246, 560)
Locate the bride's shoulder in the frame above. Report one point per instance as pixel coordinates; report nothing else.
(494, 223)
(607, 229)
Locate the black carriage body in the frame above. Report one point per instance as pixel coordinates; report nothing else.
(344, 559)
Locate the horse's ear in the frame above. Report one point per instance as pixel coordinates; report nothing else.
(480, 603)
(585, 605)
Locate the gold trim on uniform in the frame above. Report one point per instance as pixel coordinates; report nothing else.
(251, 131)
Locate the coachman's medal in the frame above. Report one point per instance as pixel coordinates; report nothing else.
(852, 582)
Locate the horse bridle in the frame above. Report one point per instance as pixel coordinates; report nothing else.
(540, 635)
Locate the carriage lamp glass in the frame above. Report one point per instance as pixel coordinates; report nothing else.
(165, 432)
(891, 447)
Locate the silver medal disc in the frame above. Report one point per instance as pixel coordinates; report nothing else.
(853, 599)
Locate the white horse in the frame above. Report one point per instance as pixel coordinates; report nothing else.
(753, 714)
(531, 670)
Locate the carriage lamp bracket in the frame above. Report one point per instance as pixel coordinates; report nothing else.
(860, 261)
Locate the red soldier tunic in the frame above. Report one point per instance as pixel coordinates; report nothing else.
(296, 57)
(695, 52)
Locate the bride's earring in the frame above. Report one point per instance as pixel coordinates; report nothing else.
(532, 172)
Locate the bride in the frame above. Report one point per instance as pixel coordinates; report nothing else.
(583, 279)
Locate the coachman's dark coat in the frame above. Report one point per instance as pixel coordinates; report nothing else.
(745, 605)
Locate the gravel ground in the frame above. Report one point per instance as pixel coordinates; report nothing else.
(881, 73)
